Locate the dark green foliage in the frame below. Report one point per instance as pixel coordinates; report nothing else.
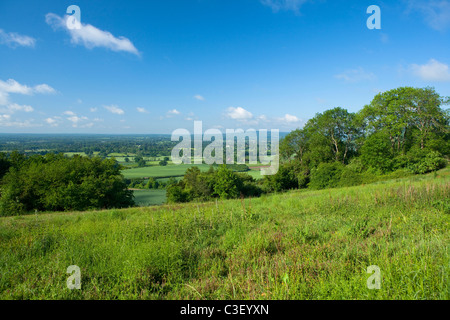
(56, 183)
(221, 183)
(423, 161)
(327, 175)
(376, 152)
(285, 179)
(402, 131)
(227, 184)
(175, 193)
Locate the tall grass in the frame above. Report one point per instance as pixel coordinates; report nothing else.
(296, 245)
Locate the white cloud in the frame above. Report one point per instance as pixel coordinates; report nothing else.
(262, 118)
(93, 109)
(13, 39)
(114, 109)
(141, 110)
(199, 97)
(356, 75)
(5, 121)
(12, 86)
(432, 71)
(436, 12)
(53, 122)
(16, 107)
(286, 5)
(239, 114)
(289, 119)
(5, 117)
(90, 36)
(44, 88)
(75, 119)
(173, 112)
(3, 98)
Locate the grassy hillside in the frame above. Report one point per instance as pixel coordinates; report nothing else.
(297, 245)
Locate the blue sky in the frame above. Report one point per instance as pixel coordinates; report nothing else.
(155, 66)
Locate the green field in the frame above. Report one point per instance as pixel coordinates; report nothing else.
(172, 171)
(297, 245)
(160, 171)
(150, 197)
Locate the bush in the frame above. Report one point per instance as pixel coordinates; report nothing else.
(327, 175)
(56, 183)
(349, 177)
(424, 163)
(285, 179)
(175, 193)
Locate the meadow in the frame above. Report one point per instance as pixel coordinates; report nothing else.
(296, 245)
(149, 197)
(171, 171)
(161, 171)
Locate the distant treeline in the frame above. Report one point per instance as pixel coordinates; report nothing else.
(102, 145)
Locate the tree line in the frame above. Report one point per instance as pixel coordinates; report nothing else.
(57, 183)
(401, 132)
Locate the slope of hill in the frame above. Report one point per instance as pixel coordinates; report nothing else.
(296, 245)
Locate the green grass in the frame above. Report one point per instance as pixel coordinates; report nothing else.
(160, 171)
(149, 197)
(256, 174)
(297, 245)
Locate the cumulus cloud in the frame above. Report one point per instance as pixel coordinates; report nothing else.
(141, 110)
(173, 112)
(90, 36)
(356, 75)
(8, 108)
(53, 121)
(432, 71)
(289, 119)
(12, 86)
(5, 121)
(44, 88)
(13, 39)
(239, 114)
(114, 109)
(199, 97)
(72, 117)
(16, 107)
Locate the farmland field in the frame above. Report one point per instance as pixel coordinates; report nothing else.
(144, 198)
(297, 245)
(161, 171)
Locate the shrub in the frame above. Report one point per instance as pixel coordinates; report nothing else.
(327, 175)
(431, 161)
